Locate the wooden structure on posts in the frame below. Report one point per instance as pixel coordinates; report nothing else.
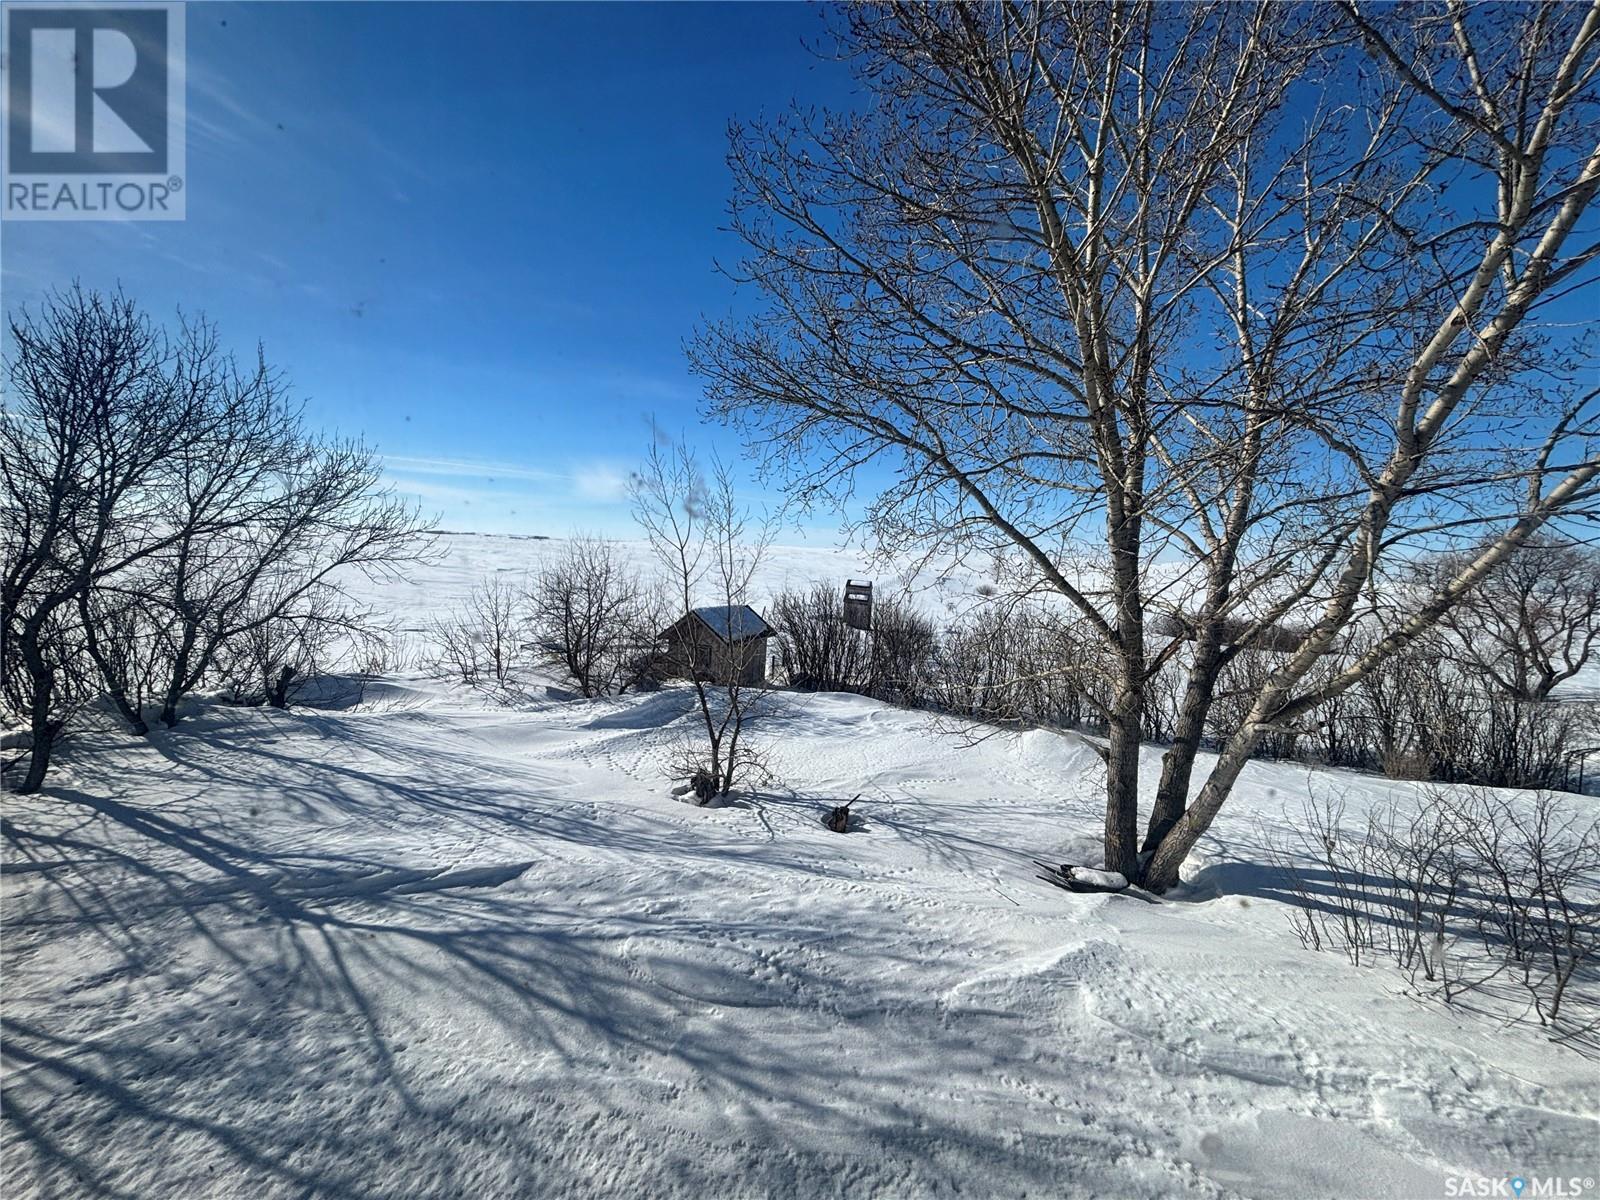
(858, 604)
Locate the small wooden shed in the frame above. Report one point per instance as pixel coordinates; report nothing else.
(720, 643)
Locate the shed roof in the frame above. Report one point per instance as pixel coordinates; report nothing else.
(730, 622)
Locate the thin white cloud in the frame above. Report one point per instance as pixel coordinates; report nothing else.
(594, 482)
(214, 111)
(403, 464)
(444, 493)
(600, 482)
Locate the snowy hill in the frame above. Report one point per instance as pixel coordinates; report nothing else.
(423, 947)
(462, 560)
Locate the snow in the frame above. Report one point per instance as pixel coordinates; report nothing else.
(1091, 878)
(733, 623)
(461, 560)
(422, 946)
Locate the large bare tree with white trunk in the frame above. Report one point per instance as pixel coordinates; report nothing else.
(1207, 312)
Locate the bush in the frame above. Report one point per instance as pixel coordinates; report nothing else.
(982, 665)
(901, 648)
(1470, 891)
(168, 510)
(593, 619)
(820, 652)
(479, 641)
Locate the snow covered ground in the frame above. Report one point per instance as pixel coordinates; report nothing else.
(426, 947)
(462, 560)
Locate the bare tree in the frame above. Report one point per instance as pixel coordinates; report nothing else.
(709, 549)
(1524, 117)
(1533, 622)
(163, 504)
(480, 640)
(274, 544)
(594, 618)
(94, 409)
(1120, 275)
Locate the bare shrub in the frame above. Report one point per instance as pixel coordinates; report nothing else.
(979, 666)
(901, 649)
(1424, 861)
(593, 618)
(1239, 682)
(391, 649)
(1466, 891)
(1526, 743)
(818, 650)
(1435, 711)
(453, 648)
(1390, 696)
(711, 771)
(127, 639)
(479, 641)
(1336, 908)
(1539, 863)
(1412, 765)
(1009, 664)
(274, 518)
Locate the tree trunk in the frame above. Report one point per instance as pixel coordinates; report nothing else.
(119, 697)
(111, 678)
(278, 695)
(1125, 730)
(169, 707)
(733, 747)
(130, 714)
(179, 680)
(38, 759)
(1177, 765)
(42, 728)
(1125, 726)
(1161, 873)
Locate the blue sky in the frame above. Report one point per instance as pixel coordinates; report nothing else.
(475, 234)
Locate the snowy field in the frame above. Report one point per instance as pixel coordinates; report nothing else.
(423, 947)
(462, 560)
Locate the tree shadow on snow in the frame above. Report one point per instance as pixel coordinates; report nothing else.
(252, 1012)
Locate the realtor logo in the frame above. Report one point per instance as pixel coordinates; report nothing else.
(94, 116)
